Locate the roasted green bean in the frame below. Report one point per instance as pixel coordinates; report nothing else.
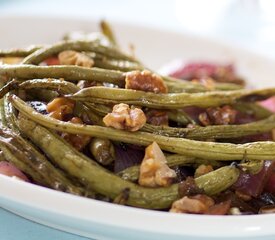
(71, 73)
(108, 32)
(19, 52)
(29, 160)
(105, 95)
(252, 108)
(91, 174)
(210, 182)
(79, 45)
(204, 150)
(215, 131)
(98, 178)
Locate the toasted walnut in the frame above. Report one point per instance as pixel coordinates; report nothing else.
(221, 208)
(203, 169)
(157, 117)
(200, 204)
(218, 116)
(70, 57)
(124, 117)
(154, 171)
(145, 81)
(78, 141)
(197, 205)
(60, 107)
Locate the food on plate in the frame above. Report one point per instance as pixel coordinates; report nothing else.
(83, 117)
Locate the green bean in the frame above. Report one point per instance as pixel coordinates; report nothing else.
(215, 131)
(114, 64)
(252, 108)
(182, 86)
(84, 112)
(68, 72)
(19, 52)
(178, 84)
(105, 95)
(219, 180)
(180, 116)
(2, 113)
(103, 150)
(108, 32)
(91, 174)
(79, 45)
(75, 73)
(252, 167)
(29, 160)
(99, 179)
(204, 150)
(132, 173)
(8, 87)
(61, 86)
(99, 109)
(9, 112)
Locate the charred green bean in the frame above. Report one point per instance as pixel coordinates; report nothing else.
(71, 73)
(79, 45)
(204, 150)
(105, 95)
(215, 131)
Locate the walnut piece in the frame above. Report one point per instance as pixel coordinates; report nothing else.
(198, 204)
(60, 107)
(78, 141)
(154, 171)
(203, 169)
(157, 117)
(145, 81)
(218, 116)
(126, 118)
(70, 57)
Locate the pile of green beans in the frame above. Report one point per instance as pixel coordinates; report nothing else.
(33, 141)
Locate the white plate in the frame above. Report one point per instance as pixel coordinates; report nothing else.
(101, 220)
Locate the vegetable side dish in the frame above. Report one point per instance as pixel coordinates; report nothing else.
(83, 117)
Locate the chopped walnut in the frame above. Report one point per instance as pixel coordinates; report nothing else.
(218, 116)
(60, 107)
(145, 81)
(70, 57)
(221, 208)
(124, 117)
(154, 171)
(78, 141)
(198, 204)
(203, 169)
(157, 117)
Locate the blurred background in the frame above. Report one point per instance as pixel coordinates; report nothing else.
(249, 24)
